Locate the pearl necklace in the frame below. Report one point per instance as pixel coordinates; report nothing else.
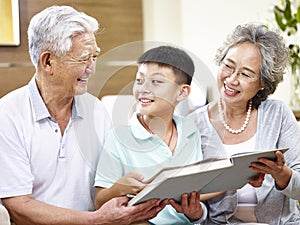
(151, 132)
(227, 127)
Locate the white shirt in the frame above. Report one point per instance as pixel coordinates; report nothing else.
(247, 199)
(36, 159)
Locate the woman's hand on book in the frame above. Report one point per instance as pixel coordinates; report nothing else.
(278, 169)
(258, 180)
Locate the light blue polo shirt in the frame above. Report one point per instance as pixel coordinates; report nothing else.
(133, 148)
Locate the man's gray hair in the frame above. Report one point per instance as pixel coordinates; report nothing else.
(53, 29)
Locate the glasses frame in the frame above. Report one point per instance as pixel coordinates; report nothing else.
(230, 71)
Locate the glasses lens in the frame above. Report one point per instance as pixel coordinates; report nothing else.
(244, 75)
(247, 76)
(226, 68)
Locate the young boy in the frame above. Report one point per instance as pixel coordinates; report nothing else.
(155, 138)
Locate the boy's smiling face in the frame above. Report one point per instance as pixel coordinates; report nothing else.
(155, 90)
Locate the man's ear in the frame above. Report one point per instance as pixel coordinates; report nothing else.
(184, 92)
(45, 61)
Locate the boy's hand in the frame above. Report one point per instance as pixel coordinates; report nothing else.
(190, 206)
(130, 183)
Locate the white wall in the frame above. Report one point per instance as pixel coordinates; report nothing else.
(201, 26)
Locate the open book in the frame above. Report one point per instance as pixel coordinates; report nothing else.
(206, 176)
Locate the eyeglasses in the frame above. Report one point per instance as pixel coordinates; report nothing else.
(244, 76)
(84, 59)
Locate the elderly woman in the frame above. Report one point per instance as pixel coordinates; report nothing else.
(251, 63)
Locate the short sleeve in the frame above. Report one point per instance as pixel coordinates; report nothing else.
(15, 177)
(109, 168)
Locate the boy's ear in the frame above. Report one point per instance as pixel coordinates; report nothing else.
(184, 92)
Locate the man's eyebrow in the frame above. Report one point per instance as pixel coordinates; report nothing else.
(83, 54)
(86, 53)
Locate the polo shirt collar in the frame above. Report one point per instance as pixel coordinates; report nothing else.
(39, 108)
(137, 128)
(140, 132)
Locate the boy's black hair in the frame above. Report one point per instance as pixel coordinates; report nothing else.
(171, 56)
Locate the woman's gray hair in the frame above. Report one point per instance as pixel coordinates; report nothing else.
(273, 51)
(53, 29)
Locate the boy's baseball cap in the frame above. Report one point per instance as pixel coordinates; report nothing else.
(169, 55)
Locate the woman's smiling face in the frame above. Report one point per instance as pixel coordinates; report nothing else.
(244, 60)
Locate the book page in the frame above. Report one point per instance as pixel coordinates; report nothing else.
(172, 183)
(207, 176)
(238, 175)
(186, 169)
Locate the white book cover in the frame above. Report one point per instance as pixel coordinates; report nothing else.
(206, 176)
